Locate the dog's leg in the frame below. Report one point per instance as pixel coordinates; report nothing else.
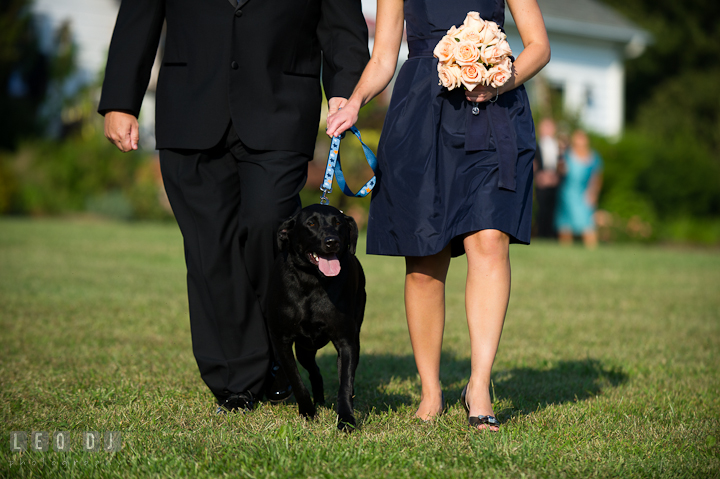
(360, 305)
(348, 357)
(285, 357)
(306, 358)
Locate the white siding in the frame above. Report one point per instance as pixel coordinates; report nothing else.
(92, 23)
(591, 75)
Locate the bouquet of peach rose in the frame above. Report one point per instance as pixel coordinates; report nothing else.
(475, 54)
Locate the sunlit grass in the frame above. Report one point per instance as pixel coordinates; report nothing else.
(608, 366)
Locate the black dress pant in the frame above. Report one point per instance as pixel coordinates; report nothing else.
(229, 202)
(547, 199)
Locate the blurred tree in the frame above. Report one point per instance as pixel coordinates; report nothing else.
(668, 162)
(673, 89)
(23, 72)
(27, 74)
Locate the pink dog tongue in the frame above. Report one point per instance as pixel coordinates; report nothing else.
(329, 265)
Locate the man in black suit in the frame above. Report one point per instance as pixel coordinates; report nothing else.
(237, 110)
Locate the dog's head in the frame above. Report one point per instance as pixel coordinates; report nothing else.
(319, 236)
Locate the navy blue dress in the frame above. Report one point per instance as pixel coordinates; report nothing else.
(444, 172)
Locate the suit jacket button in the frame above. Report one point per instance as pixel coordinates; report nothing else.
(234, 65)
(238, 13)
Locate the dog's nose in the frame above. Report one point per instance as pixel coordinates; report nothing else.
(332, 242)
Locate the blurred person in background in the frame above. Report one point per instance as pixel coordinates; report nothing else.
(579, 191)
(547, 177)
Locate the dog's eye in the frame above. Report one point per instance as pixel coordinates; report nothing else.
(311, 224)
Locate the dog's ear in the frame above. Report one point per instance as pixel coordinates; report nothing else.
(283, 235)
(353, 233)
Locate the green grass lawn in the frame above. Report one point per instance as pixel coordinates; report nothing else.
(609, 366)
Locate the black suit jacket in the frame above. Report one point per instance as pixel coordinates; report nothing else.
(258, 64)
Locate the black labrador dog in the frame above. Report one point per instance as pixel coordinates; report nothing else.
(317, 295)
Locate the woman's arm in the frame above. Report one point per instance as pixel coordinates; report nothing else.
(594, 187)
(379, 71)
(536, 54)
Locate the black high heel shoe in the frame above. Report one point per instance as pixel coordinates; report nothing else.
(475, 421)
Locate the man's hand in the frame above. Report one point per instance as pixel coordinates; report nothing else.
(341, 117)
(122, 130)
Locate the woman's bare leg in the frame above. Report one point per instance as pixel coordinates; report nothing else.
(425, 309)
(565, 237)
(590, 239)
(487, 293)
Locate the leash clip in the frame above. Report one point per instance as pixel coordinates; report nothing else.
(324, 200)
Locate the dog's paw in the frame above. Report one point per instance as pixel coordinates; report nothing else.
(308, 412)
(346, 424)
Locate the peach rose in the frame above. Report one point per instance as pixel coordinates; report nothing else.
(472, 36)
(466, 53)
(504, 48)
(486, 76)
(491, 34)
(487, 52)
(494, 54)
(449, 75)
(445, 49)
(472, 75)
(500, 73)
(474, 22)
(455, 32)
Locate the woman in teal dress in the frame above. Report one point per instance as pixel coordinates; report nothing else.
(452, 180)
(579, 191)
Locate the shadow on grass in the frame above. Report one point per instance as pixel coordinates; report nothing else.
(527, 389)
(375, 380)
(531, 389)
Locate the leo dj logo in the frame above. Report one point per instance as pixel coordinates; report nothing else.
(65, 441)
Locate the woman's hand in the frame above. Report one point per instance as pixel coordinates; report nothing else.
(593, 189)
(342, 119)
(591, 199)
(481, 93)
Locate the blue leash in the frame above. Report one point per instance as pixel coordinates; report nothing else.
(334, 169)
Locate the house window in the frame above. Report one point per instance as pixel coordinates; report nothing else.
(589, 97)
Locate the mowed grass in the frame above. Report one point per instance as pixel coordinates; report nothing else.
(608, 367)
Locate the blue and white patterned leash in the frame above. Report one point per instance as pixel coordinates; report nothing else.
(334, 169)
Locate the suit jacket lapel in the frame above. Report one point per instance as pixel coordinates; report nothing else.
(238, 3)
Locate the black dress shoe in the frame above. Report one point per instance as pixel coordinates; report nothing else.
(279, 389)
(239, 402)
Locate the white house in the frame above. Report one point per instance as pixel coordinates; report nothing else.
(590, 43)
(91, 22)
